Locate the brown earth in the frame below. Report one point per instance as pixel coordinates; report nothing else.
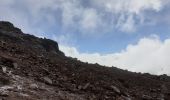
(33, 68)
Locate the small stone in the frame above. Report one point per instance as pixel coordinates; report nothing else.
(2, 98)
(9, 73)
(19, 87)
(24, 95)
(48, 80)
(115, 89)
(15, 65)
(34, 86)
(9, 88)
(4, 93)
(146, 97)
(4, 69)
(126, 98)
(161, 97)
(153, 90)
(86, 86)
(79, 87)
(125, 94)
(164, 89)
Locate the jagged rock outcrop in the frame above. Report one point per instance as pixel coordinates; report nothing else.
(8, 31)
(34, 68)
(9, 27)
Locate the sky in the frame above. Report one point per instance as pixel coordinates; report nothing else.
(128, 34)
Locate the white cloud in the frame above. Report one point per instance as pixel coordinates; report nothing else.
(129, 6)
(127, 25)
(127, 11)
(70, 10)
(6, 2)
(148, 55)
(65, 39)
(93, 18)
(74, 14)
(90, 19)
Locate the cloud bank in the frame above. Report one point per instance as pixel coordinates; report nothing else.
(86, 17)
(148, 55)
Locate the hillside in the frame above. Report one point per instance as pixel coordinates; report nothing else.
(34, 68)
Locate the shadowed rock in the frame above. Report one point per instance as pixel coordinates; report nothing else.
(9, 27)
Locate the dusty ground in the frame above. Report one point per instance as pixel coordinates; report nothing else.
(32, 68)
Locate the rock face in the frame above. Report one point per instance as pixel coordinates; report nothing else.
(34, 68)
(50, 46)
(7, 30)
(9, 27)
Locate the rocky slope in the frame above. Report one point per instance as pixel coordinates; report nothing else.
(33, 68)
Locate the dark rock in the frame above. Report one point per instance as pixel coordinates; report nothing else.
(164, 89)
(125, 98)
(34, 86)
(146, 97)
(51, 46)
(153, 90)
(4, 80)
(9, 27)
(15, 65)
(4, 94)
(7, 62)
(4, 69)
(86, 86)
(79, 87)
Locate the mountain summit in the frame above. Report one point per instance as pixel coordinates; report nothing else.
(33, 68)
